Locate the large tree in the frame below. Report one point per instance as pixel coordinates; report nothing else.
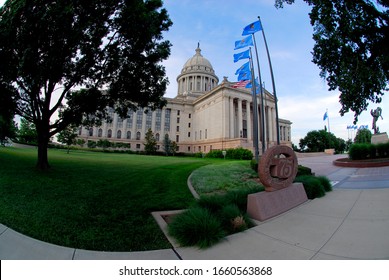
(351, 49)
(57, 56)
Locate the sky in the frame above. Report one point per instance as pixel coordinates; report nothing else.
(303, 95)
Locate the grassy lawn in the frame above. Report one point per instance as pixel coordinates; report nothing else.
(103, 201)
(94, 201)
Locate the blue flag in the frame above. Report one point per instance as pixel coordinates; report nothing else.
(244, 76)
(252, 28)
(244, 68)
(325, 116)
(245, 42)
(242, 55)
(249, 85)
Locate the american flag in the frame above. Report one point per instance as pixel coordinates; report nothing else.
(240, 84)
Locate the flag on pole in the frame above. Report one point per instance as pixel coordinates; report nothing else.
(325, 116)
(252, 28)
(245, 42)
(241, 55)
(244, 68)
(249, 85)
(241, 84)
(244, 76)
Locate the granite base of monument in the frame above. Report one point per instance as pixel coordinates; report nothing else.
(379, 138)
(265, 205)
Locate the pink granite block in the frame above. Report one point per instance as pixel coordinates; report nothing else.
(265, 205)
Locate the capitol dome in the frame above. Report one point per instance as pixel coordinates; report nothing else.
(198, 60)
(197, 76)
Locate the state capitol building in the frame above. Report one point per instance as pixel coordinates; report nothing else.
(204, 116)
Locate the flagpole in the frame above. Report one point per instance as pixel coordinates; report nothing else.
(328, 121)
(262, 110)
(273, 83)
(255, 110)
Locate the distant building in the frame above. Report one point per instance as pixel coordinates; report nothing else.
(204, 116)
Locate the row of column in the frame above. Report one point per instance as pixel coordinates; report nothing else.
(189, 83)
(236, 120)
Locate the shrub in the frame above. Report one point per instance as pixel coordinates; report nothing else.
(196, 226)
(215, 154)
(312, 186)
(325, 182)
(382, 150)
(239, 197)
(254, 165)
(303, 170)
(213, 203)
(359, 151)
(232, 219)
(239, 153)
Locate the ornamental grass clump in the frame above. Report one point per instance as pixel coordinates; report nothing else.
(196, 226)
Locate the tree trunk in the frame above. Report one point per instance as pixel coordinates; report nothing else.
(43, 143)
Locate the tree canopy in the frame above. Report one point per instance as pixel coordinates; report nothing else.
(319, 140)
(351, 49)
(78, 57)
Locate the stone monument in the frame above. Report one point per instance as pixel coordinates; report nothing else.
(377, 137)
(277, 170)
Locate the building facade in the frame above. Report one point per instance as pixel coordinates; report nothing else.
(204, 116)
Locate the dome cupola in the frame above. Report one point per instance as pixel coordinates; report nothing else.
(197, 76)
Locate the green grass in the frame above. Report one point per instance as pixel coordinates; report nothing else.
(224, 177)
(93, 201)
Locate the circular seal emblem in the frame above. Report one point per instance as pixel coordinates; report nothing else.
(277, 168)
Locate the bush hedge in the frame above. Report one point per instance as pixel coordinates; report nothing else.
(361, 151)
(236, 153)
(314, 186)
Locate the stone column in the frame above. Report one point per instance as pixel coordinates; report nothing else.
(248, 120)
(153, 119)
(240, 118)
(115, 125)
(162, 136)
(232, 114)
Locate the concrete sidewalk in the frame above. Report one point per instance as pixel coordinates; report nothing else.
(351, 222)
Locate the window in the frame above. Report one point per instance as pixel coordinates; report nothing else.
(109, 133)
(139, 118)
(189, 134)
(177, 138)
(119, 134)
(130, 118)
(178, 128)
(79, 130)
(178, 112)
(157, 137)
(120, 122)
(206, 133)
(149, 119)
(90, 131)
(189, 149)
(190, 115)
(128, 134)
(188, 124)
(100, 133)
(178, 120)
(138, 146)
(138, 135)
(158, 117)
(167, 119)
